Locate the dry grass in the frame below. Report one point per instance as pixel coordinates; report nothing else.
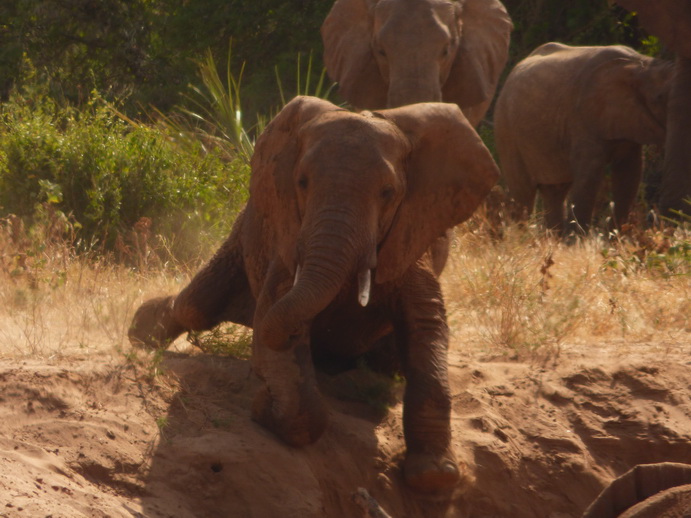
(523, 296)
(526, 296)
(55, 303)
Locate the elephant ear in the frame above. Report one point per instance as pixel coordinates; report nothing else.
(347, 35)
(272, 185)
(482, 54)
(669, 20)
(449, 171)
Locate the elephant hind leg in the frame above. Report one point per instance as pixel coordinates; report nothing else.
(520, 186)
(219, 292)
(154, 325)
(627, 171)
(553, 197)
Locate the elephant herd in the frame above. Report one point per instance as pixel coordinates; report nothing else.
(339, 248)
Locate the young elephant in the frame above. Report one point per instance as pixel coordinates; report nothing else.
(565, 114)
(330, 255)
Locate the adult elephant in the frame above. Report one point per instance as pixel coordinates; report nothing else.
(660, 490)
(389, 53)
(329, 256)
(567, 113)
(670, 20)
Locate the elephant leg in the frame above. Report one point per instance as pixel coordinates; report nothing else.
(627, 171)
(588, 167)
(289, 404)
(219, 292)
(520, 186)
(553, 197)
(430, 464)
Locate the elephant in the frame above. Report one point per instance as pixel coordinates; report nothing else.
(390, 53)
(565, 115)
(330, 256)
(646, 491)
(670, 20)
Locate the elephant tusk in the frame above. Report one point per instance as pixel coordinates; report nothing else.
(364, 279)
(297, 274)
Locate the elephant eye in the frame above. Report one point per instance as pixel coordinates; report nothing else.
(382, 52)
(302, 182)
(446, 51)
(387, 193)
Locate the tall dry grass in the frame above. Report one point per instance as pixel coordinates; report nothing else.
(55, 303)
(527, 295)
(524, 296)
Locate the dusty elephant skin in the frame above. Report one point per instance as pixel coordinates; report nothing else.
(330, 255)
(670, 20)
(661, 490)
(389, 53)
(567, 113)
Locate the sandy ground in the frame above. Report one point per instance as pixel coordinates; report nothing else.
(119, 436)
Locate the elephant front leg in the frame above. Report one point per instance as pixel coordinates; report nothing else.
(289, 404)
(430, 464)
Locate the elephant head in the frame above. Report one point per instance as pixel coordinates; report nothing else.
(636, 89)
(389, 53)
(358, 198)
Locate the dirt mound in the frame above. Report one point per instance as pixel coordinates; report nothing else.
(95, 437)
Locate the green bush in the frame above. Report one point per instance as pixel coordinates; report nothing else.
(107, 173)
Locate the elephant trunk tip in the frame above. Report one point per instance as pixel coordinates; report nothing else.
(274, 337)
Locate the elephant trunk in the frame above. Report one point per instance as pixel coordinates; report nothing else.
(332, 255)
(416, 86)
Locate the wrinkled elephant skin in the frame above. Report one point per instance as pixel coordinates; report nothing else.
(661, 490)
(331, 254)
(389, 53)
(567, 113)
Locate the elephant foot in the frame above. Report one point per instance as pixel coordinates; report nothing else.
(431, 472)
(297, 430)
(153, 325)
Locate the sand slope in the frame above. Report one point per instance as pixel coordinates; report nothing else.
(99, 436)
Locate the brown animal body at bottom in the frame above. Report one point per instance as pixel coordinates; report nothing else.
(332, 253)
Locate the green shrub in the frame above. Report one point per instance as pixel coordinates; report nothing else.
(107, 173)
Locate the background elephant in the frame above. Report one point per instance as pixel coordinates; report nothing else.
(330, 255)
(388, 53)
(670, 20)
(660, 490)
(565, 114)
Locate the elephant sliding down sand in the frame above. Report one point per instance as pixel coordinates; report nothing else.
(567, 113)
(389, 53)
(330, 255)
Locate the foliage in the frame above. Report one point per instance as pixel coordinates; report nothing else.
(589, 22)
(106, 174)
(146, 50)
(230, 339)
